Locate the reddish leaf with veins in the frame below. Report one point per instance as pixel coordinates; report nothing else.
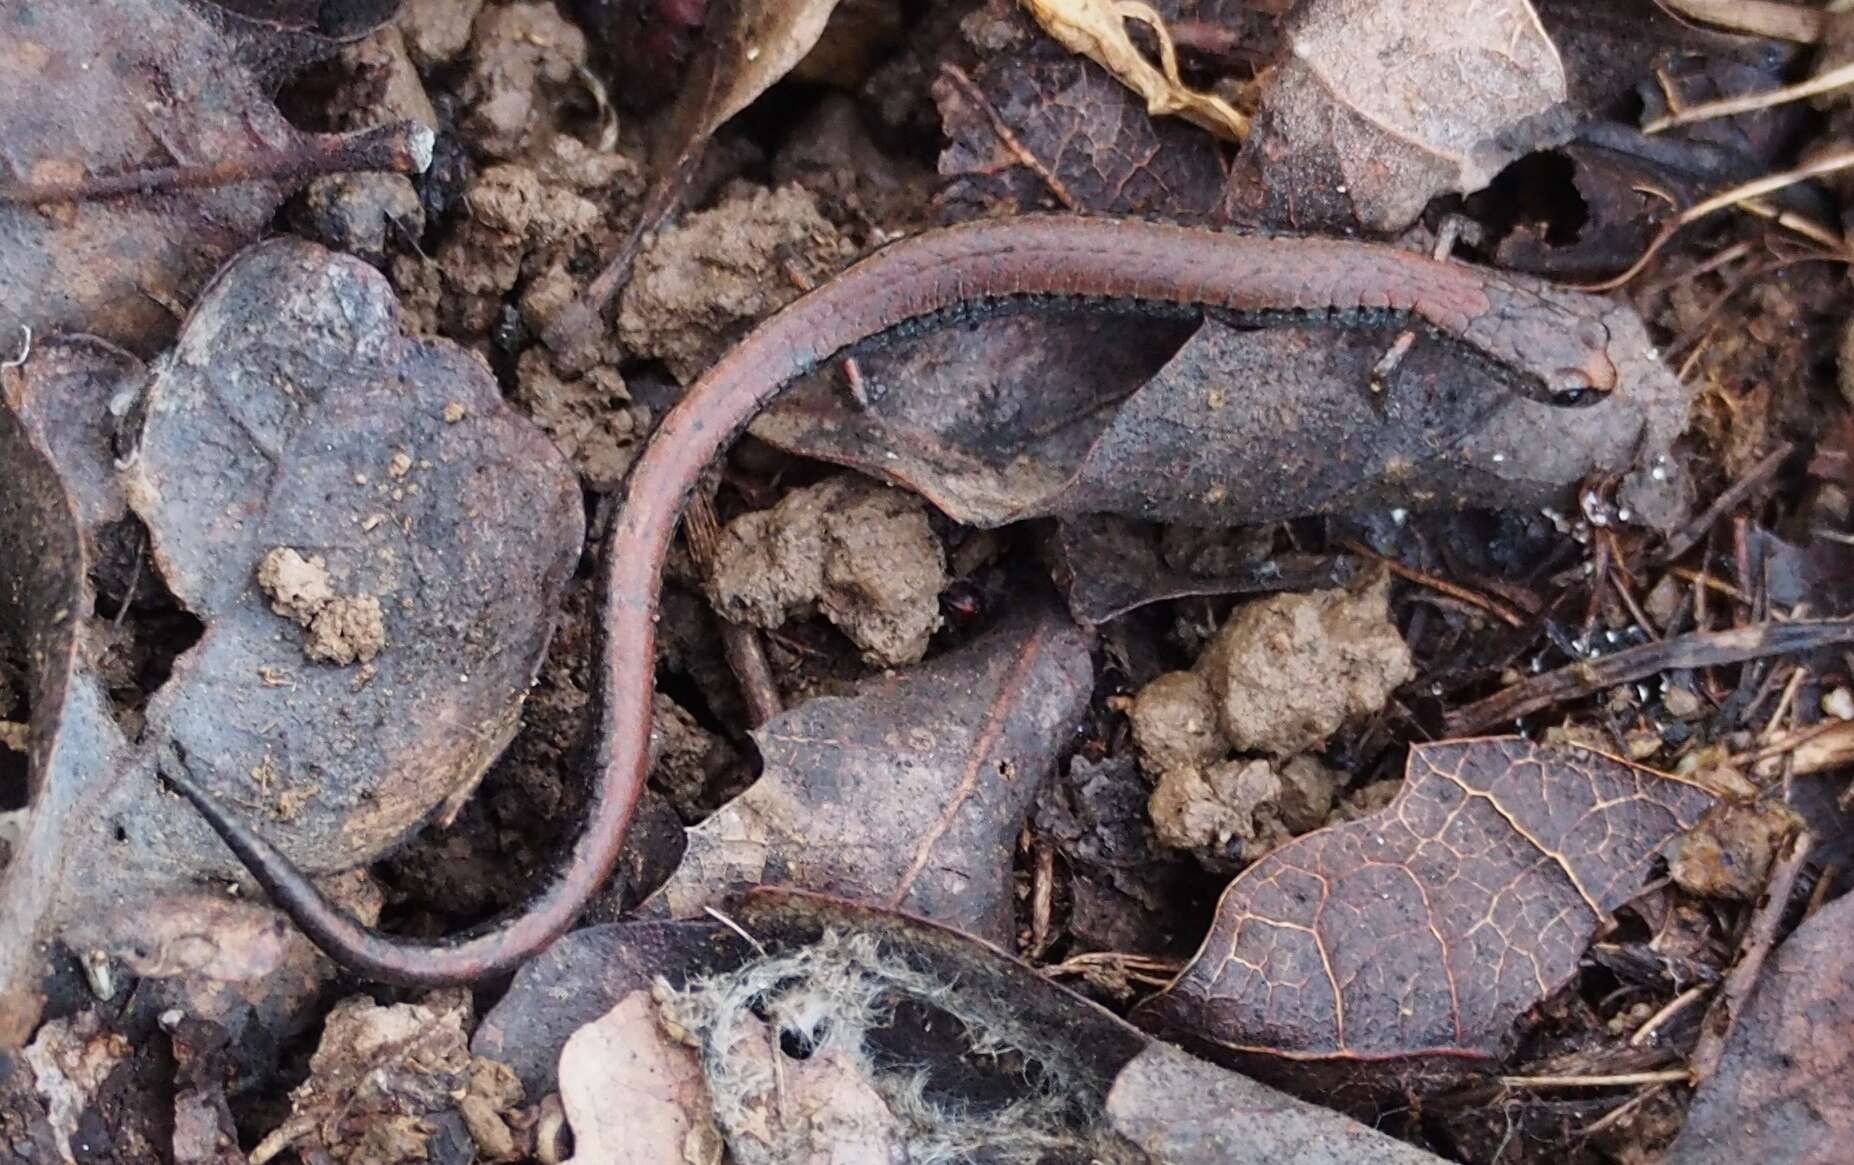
(1781, 1093)
(1425, 930)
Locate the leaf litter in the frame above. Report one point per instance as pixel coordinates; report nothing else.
(1711, 656)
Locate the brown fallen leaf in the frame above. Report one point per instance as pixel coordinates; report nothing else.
(1418, 935)
(1182, 1111)
(1098, 30)
(146, 85)
(1376, 110)
(1029, 125)
(1108, 566)
(74, 742)
(1781, 1093)
(1252, 425)
(909, 793)
(587, 973)
(1051, 1072)
(632, 1093)
(291, 413)
(347, 20)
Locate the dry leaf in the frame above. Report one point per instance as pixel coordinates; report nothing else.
(909, 793)
(1097, 30)
(1420, 934)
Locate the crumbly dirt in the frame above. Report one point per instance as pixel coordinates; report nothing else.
(343, 629)
(1288, 671)
(524, 63)
(1174, 720)
(1241, 809)
(385, 1082)
(862, 554)
(298, 587)
(361, 213)
(350, 629)
(386, 84)
(686, 759)
(1729, 854)
(437, 31)
(737, 263)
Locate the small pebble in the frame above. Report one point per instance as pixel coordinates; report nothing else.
(1839, 703)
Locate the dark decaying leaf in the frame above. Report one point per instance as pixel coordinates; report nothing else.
(1782, 1092)
(292, 414)
(1252, 425)
(1125, 887)
(1106, 1074)
(1609, 48)
(583, 976)
(910, 793)
(1107, 566)
(341, 19)
(1372, 113)
(1034, 127)
(1421, 933)
(45, 621)
(128, 86)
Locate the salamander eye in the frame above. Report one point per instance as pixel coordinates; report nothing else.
(1574, 388)
(1570, 396)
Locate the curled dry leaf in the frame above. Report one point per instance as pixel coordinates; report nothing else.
(1382, 106)
(1097, 29)
(292, 413)
(44, 609)
(139, 84)
(1252, 425)
(1107, 566)
(1781, 1092)
(632, 1093)
(1419, 934)
(909, 793)
(992, 1049)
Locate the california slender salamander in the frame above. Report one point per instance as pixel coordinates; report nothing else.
(1566, 342)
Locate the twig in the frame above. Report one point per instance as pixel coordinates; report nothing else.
(1492, 606)
(1689, 535)
(1760, 937)
(1622, 1110)
(746, 655)
(25, 350)
(1674, 1006)
(572, 330)
(403, 147)
(1828, 82)
(1613, 1080)
(1827, 164)
(1042, 896)
(1695, 649)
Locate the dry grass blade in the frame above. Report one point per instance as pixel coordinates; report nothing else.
(1770, 183)
(1833, 79)
(1772, 18)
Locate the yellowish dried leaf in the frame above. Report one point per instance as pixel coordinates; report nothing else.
(1097, 29)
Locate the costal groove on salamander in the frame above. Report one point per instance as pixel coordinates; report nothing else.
(1554, 336)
